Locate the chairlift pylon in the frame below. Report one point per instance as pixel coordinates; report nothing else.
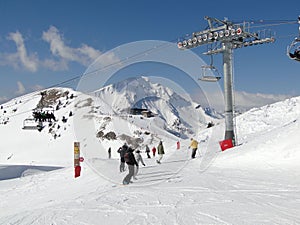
(293, 50)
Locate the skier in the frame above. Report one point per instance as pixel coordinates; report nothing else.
(130, 161)
(153, 151)
(122, 150)
(109, 152)
(210, 124)
(148, 151)
(139, 159)
(194, 146)
(160, 151)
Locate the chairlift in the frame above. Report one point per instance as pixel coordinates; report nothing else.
(45, 114)
(209, 78)
(293, 50)
(207, 70)
(49, 109)
(32, 124)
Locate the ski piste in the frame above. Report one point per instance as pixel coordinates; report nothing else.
(168, 169)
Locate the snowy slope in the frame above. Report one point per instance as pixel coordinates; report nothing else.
(21, 146)
(256, 182)
(173, 114)
(272, 131)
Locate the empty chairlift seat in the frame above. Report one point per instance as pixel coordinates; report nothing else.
(32, 124)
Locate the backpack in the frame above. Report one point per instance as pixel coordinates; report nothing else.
(127, 157)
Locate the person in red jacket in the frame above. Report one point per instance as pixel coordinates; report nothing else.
(154, 151)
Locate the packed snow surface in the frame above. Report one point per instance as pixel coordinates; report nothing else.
(256, 182)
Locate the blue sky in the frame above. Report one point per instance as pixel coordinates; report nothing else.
(44, 43)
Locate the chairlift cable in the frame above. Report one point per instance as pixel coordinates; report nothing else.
(273, 25)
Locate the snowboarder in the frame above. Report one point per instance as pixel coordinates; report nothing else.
(138, 158)
(131, 162)
(148, 151)
(194, 146)
(122, 150)
(153, 151)
(160, 151)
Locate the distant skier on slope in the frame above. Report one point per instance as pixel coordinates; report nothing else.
(148, 151)
(131, 162)
(109, 152)
(160, 151)
(139, 159)
(153, 151)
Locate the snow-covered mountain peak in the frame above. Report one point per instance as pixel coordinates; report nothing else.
(137, 88)
(176, 111)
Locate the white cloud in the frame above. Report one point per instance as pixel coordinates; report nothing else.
(83, 55)
(3, 99)
(37, 87)
(21, 89)
(90, 52)
(62, 54)
(30, 62)
(244, 101)
(54, 65)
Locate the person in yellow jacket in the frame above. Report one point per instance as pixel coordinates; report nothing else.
(194, 146)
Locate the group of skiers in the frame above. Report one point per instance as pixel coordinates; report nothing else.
(148, 151)
(133, 158)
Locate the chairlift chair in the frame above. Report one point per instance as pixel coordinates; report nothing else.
(208, 72)
(209, 78)
(293, 50)
(31, 124)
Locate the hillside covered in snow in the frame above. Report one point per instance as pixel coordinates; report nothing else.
(256, 182)
(173, 116)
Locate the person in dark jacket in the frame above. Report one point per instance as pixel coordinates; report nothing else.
(131, 162)
(148, 151)
(122, 150)
(160, 151)
(109, 152)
